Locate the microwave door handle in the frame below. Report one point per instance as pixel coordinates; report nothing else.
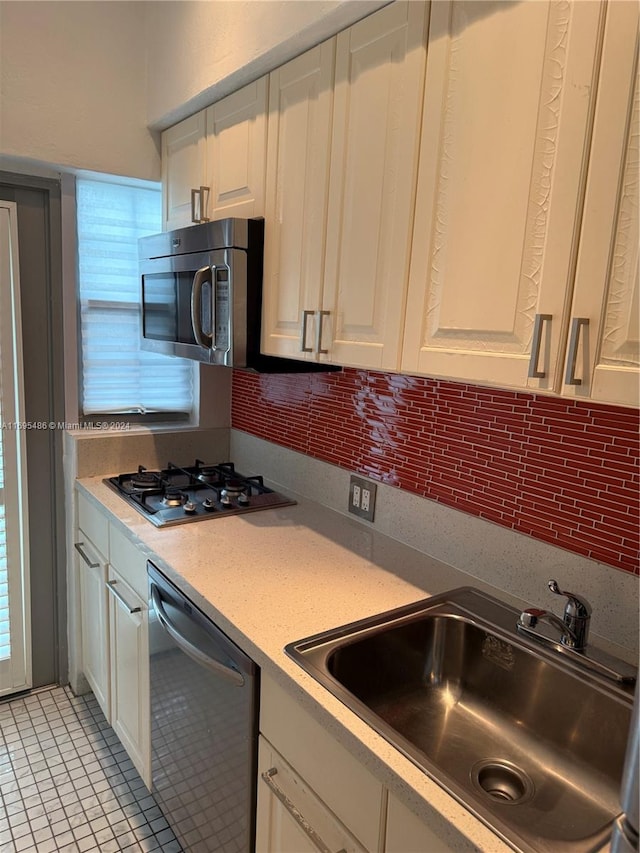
(202, 276)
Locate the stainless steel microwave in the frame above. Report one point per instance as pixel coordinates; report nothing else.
(201, 295)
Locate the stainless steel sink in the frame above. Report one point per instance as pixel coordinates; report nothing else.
(531, 744)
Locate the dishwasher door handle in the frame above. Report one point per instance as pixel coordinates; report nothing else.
(188, 648)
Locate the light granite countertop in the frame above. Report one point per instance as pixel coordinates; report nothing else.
(273, 577)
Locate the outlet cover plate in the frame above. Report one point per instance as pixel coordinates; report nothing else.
(364, 486)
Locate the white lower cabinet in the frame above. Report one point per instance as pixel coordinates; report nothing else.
(407, 833)
(112, 583)
(329, 791)
(291, 817)
(92, 577)
(313, 794)
(129, 654)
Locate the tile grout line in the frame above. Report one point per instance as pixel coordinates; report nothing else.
(67, 784)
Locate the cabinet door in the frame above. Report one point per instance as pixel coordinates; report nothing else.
(504, 147)
(406, 833)
(129, 642)
(236, 152)
(344, 785)
(290, 817)
(92, 573)
(607, 362)
(183, 169)
(374, 154)
(300, 104)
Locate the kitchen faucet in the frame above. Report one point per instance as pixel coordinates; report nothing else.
(573, 631)
(574, 625)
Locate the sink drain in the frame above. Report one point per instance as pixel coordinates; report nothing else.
(502, 781)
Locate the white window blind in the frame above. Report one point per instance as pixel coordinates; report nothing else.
(117, 376)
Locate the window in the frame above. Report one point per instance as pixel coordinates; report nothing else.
(117, 376)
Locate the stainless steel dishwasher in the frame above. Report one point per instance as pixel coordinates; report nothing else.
(204, 725)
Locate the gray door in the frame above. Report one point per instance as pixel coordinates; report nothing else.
(39, 229)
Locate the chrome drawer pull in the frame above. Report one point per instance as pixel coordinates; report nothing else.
(123, 601)
(534, 373)
(85, 557)
(299, 818)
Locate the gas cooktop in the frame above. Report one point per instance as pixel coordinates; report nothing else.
(177, 495)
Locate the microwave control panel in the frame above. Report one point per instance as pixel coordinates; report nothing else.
(223, 311)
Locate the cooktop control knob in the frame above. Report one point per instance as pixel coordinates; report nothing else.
(208, 503)
(189, 507)
(225, 500)
(243, 499)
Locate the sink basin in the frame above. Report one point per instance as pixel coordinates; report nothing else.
(531, 744)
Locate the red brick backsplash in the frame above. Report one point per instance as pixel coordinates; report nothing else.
(564, 471)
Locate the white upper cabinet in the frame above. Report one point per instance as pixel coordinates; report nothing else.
(505, 142)
(451, 190)
(184, 170)
(374, 154)
(213, 163)
(298, 152)
(607, 351)
(342, 164)
(236, 152)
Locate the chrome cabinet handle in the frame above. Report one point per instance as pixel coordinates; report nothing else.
(576, 325)
(232, 675)
(194, 193)
(204, 204)
(303, 337)
(193, 205)
(120, 597)
(295, 813)
(202, 193)
(85, 557)
(203, 275)
(321, 316)
(538, 325)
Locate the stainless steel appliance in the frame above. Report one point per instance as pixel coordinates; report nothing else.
(627, 826)
(201, 296)
(204, 725)
(176, 495)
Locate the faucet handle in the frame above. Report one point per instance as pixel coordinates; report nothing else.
(576, 606)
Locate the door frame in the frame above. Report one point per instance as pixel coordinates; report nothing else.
(47, 392)
(15, 670)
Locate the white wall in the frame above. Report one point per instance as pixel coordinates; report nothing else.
(73, 86)
(81, 81)
(201, 51)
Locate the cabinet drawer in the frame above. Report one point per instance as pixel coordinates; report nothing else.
(128, 560)
(93, 523)
(290, 815)
(347, 788)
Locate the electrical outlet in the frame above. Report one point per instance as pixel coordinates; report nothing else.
(362, 497)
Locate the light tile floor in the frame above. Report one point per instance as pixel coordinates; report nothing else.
(66, 783)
